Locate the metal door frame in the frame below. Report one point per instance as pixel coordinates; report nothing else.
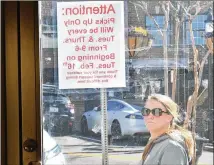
(22, 81)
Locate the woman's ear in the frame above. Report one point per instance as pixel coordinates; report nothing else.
(169, 119)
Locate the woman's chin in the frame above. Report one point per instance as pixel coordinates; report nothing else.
(151, 128)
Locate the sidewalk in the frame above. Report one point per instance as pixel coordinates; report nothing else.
(208, 147)
(89, 145)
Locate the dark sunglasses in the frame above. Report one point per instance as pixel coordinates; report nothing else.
(155, 111)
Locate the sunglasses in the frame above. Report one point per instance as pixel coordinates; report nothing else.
(155, 111)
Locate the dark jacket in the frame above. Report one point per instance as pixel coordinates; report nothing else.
(167, 151)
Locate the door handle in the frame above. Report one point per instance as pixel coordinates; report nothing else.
(30, 145)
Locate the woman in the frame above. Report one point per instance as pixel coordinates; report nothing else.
(169, 144)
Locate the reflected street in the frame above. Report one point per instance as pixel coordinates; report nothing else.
(81, 150)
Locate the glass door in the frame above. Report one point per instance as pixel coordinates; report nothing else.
(74, 91)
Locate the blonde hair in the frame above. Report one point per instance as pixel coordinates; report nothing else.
(174, 130)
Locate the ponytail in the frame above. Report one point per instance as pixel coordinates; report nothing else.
(187, 135)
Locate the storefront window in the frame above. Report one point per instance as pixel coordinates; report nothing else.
(72, 127)
(150, 25)
(198, 26)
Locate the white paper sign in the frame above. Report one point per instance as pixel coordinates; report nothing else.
(91, 44)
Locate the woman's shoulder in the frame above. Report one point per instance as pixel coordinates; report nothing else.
(169, 147)
(175, 141)
(174, 153)
(172, 143)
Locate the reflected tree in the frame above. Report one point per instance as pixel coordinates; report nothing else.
(191, 11)
(165, 5)
(182, 12)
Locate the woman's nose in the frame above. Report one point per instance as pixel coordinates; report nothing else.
(150, 116)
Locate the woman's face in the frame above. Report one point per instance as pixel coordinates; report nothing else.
(157, 123)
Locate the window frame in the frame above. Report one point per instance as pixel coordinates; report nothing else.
(170, 27)
(187, 40)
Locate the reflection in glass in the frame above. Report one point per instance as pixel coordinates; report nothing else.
(72, 117)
